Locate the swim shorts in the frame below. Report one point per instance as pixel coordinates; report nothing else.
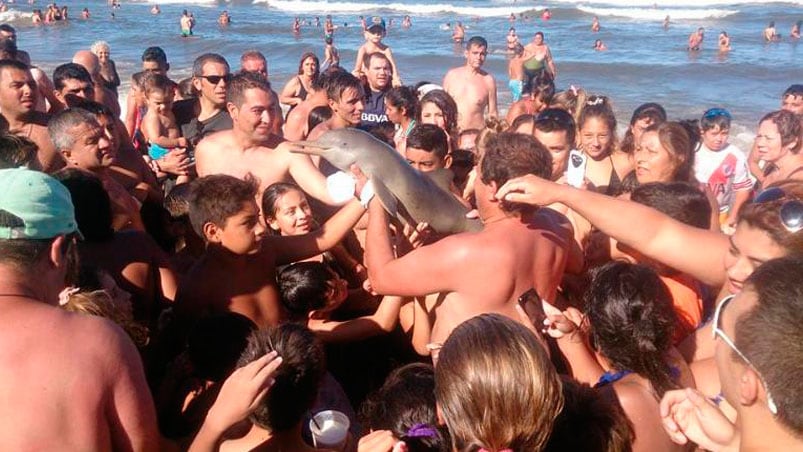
(515, 89)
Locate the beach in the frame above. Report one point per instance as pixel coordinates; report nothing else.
(644, 63)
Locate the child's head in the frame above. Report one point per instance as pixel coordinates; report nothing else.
(311, 289)
(223, 211)
(158, 90)
(405, 405)
(286, 209)
(715, 126)
(496, 387)
(427, 148)
(296, 381)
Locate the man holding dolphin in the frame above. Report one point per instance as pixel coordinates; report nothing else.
(486, 271)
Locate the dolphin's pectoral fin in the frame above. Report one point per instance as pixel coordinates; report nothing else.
(388, 200)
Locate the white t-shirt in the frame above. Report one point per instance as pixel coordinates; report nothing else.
(724, 171)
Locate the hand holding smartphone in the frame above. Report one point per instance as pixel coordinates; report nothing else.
(576, 172)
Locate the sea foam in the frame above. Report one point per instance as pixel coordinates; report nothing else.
(673, 3)
(13, 15)
(657, 14)
(409, 8)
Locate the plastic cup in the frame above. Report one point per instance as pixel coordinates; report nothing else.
(329, 429)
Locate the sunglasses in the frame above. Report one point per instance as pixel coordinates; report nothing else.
(215, 79)
(555, 116)
(791, 211)
(715, 112)
(717, 331)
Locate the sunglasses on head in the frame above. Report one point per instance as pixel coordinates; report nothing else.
(715, 112)
(215, 79)
(554, 115)
(718, 332)
(791, 211)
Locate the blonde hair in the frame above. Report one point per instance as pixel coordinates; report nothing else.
(99, 303)
(496, 387)
(493, 127)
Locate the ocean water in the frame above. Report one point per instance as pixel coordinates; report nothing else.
(644, 63)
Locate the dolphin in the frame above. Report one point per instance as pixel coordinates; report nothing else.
(404, 192)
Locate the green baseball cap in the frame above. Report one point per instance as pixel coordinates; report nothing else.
(41, 202)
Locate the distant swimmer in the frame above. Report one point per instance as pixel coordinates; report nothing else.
(472, 88)
(546, 15)
(458, 33)
(331, 55)
(186, 24)
(770, 35)
(296, 26)
(724, 42)
(512, 39)
(595, 24)
(224, 18)
(696, 39)
(512, 17)
(85, 13)
(795, 33)
(328, 26)
(600, 46)
(406, 22)
(155, 9)
(666, 22)
(317, 22)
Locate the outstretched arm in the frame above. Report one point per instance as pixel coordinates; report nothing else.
(294, 248)
(382, 321)
(426, 270)
(685, 248)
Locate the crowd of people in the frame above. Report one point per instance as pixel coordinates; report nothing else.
(183, 275)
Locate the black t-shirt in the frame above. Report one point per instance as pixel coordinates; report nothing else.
(195, 130)
(374, 112)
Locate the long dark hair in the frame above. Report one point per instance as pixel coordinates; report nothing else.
(632, 319)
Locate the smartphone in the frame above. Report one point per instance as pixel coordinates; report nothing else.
(577, 168)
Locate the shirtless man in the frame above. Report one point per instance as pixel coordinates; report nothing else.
(347, 101)
(77, 134)
(18, 96)
(71, 81)
(250, 148)
(486, 271)
(472, 88)
(106, 404)
(186, 24)
(103, 95)
(254, 62)
(9, 33)
(696, 39)
(458, 33)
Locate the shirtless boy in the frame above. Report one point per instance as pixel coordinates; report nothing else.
(238, 270)
(479, 272)
(373, 43)
(159, 124)
(472, 88)
(250, 148)
(78, 375)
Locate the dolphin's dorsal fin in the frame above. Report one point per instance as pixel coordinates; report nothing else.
(389, 202)
(442, 177)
